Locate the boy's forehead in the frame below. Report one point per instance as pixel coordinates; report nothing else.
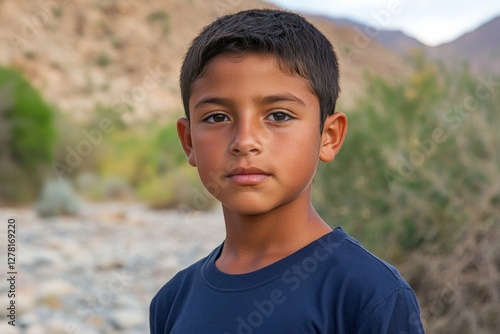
(222, 64)
(218, 61)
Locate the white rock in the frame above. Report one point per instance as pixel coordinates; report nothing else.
(64, 326)
(5, 328)
(124, 300)
(56, 326)
(110, 263)
(31, 256)
(55, 288)
(25, 300)
(36, 329)
(127, 319)
(72, 251)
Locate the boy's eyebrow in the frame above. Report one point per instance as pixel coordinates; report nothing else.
(263, 100)
(287, 97)
(213, 100)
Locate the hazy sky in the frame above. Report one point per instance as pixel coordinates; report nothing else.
(431, 22)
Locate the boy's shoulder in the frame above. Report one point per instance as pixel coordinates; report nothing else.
(362, 264)
(343, 262)
(366, 276)
(369, 290)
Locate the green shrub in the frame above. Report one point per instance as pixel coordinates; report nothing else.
(180, 186)
(150, 159)
(94, 188)
(417, 166)
(27, 137)
(15, 186)
(103, 59)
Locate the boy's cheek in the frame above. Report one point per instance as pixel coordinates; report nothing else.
(214, 184)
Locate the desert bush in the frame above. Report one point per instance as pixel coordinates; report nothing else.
(420, 161)
(459, 292)
(80, 145)
(28, 119)
(180, 186)
(95, 188)
(103, 59)
(27, 136)
(150, 159)
(15, 186)
(162, 18)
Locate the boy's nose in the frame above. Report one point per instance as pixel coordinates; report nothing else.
(246, 140)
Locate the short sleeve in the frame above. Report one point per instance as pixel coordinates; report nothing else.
(152, 312)
(397, 314)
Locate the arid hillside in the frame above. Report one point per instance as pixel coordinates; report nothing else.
(478, 47)
(127, 53)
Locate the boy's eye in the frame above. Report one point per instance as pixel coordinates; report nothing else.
(279, 117)
(216, 118)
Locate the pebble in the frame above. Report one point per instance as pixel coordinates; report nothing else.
(57, 288)
(96, 273)
(8, 329)
(128, 318)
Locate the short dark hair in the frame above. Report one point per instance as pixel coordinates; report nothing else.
(299, 47)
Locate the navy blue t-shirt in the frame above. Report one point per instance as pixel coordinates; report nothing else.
(332, 285)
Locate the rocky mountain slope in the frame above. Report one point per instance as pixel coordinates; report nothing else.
(126, 54)
(395, 40)
(479, 47)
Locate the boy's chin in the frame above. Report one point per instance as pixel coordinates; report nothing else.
(245, 209)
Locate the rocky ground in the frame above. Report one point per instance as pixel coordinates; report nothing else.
(96, 273)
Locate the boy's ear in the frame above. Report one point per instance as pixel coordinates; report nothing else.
(333, 135)
(184, 132)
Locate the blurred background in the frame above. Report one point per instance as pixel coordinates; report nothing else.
(107, 208)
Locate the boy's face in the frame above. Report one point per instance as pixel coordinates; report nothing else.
(254, 133)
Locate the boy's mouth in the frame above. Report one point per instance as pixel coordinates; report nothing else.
(248, 175)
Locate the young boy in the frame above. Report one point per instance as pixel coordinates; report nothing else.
(259, 89)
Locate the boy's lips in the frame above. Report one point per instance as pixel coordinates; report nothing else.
(247, 175)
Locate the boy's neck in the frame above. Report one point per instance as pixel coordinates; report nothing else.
(253, 242)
